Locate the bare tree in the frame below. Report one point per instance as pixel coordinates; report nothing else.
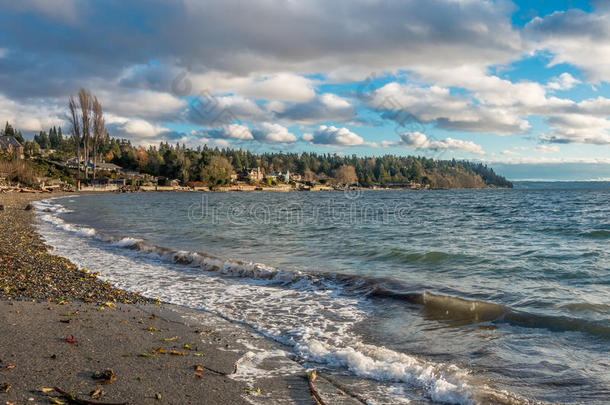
(346, 174)
(85, 100)
(76, 136)
(99, 130)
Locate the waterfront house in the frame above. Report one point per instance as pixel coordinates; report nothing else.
(254, 174)
(275, 175)
(11, 145)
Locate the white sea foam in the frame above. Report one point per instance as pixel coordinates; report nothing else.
(317, 322)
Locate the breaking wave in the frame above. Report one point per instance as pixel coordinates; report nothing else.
(455, 310)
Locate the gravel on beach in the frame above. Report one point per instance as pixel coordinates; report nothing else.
(29, 271)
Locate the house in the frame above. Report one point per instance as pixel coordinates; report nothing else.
(110, 167)
(256, 174)
(275, 175)
(11, 145)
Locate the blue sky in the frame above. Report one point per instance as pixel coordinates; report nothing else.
(523, 86)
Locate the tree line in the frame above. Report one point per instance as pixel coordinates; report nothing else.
(89, 141)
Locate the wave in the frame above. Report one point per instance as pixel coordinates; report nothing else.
(461, 311)
(451, 309)
(404, 257)
(600, 234)
(455, 310)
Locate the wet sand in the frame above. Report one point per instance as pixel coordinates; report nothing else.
(60, 325)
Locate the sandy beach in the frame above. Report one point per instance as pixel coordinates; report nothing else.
(67, 337)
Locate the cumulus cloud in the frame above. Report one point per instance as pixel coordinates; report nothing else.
(437, 105)
(232, 131)
(325, 107)
(575, 37)
(145, 104)
(141, 128)
(273, 133)
(578, 128)
(330, 135)
(212, 111)
(417, 140)
(565, 81)
(30, 117)
(282, 86)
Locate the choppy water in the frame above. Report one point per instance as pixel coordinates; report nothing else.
(466, 296)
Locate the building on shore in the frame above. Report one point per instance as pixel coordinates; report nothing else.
(11, 145)
(277, 175)
(253, 174)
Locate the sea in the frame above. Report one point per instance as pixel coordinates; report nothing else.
(492, 296)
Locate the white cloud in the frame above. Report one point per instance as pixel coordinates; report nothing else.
(417, 140)
(30, 116)
(330, 135)
(283, 86)
(509, 153)
(325, 107)
(141, 128)
(145, 104)
(437, 105)
(237, 131)
(578, 128)
(565, 81)
(575, 37)
(232, 131)
(273, 133)
(218, 111)
(547, 149)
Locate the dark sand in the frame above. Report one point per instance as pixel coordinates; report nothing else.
(45, 301)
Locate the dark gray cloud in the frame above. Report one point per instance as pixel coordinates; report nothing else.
(75, 41)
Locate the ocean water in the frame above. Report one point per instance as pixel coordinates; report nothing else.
(453, 296)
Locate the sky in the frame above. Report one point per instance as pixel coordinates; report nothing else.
(523, 86)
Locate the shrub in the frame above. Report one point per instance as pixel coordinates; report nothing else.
(18, 171)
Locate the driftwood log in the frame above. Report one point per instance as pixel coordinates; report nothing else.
(76, 400)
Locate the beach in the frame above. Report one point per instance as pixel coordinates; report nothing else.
(60, 326)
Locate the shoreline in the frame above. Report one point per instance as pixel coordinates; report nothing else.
(70, 325)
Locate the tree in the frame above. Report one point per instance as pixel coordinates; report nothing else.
(309, 176)
(217, 172)
(86, 101)
(142, 159)
(345, 174)
(99, 130)
(76, 135)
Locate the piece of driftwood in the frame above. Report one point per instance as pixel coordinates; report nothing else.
(76, 400)
(220, 372)
(311, 377)
(345, 390)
